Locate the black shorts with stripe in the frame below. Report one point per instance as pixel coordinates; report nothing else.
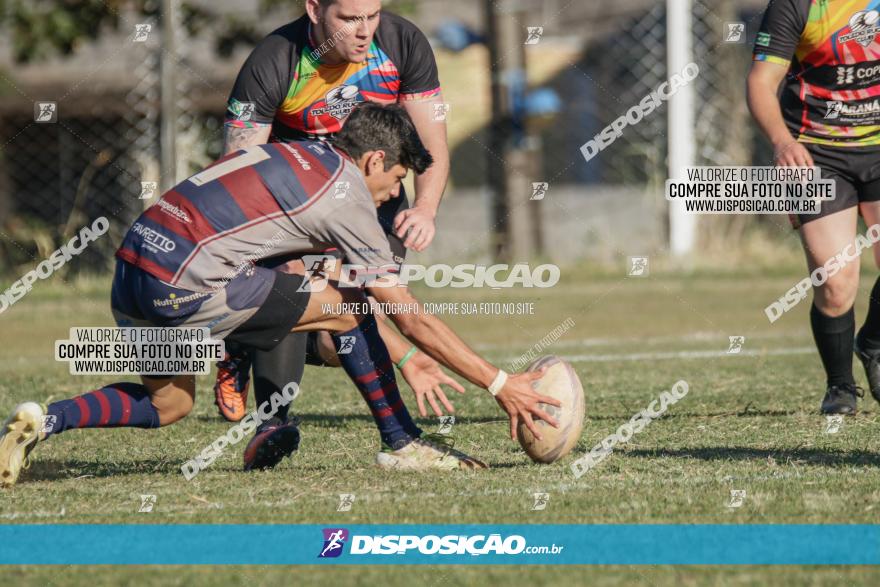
(856, 175)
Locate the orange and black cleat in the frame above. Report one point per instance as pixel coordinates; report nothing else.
(231, 387)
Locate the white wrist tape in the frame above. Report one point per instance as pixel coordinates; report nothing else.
(498, 382)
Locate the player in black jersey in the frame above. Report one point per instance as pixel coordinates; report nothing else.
(824, 56)
(302, 81)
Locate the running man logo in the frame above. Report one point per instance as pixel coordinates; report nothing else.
(341, 189)
(539, 190)
(736, 32)
(833, 423)
(147, 503)
(334, 540)
(317, 268)
(49, 424)
(638, 267)
(346, 345)
(541, 500)
(736, 344)
(346, 500)
(534, 35)
(833, 109)
(446, 424)
(45, 112)
(737, 497)
(148, 190)
(141, 32)
(441, 112)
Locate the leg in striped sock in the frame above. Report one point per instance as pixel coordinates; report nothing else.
(118, 404)
(369, 367)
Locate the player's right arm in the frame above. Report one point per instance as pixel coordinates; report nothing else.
(775, 47)
(350, 225)
(763, 87)
(436, 339)
(259, 90)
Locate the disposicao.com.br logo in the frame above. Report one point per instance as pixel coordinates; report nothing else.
(432, 544)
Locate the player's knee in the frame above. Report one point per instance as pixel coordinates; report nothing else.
(327, 350)
(344, 323)
(837, 296)
(355, 300)
(173, 407)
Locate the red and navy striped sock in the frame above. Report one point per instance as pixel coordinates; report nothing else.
(369, 366)
(118, 404)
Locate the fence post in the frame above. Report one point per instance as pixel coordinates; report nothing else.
(168, 133)
(681, 135)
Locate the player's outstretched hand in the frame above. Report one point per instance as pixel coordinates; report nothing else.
(792, 154)
(425, 377)
(519, 399)
(416, 225)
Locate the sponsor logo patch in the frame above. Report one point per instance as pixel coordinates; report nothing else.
(863, 28)
(174, 211)
(153, 240)
(339, 102)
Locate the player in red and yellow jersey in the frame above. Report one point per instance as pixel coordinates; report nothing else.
(824, 56)
(301, 82)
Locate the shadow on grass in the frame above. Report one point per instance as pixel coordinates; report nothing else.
(811, 456)
(49, 469)
(334, 420)
(428, 424)
(750, 413)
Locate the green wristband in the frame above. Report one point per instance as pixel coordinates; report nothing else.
(407, 357)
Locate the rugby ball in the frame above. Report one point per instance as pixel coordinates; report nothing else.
(562, 383)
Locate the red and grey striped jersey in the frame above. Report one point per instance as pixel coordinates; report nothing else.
(256, 203)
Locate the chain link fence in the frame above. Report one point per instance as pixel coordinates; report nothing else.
(616, 72)
(99, 151)
(106, 141)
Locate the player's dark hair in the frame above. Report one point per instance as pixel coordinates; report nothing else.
(374, 127)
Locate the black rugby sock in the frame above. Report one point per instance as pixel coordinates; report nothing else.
(276, 368)
(869, 334)
(834, 340)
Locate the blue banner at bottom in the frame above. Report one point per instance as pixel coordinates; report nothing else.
(367, 544)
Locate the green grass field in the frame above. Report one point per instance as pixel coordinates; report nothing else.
(750, 422)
